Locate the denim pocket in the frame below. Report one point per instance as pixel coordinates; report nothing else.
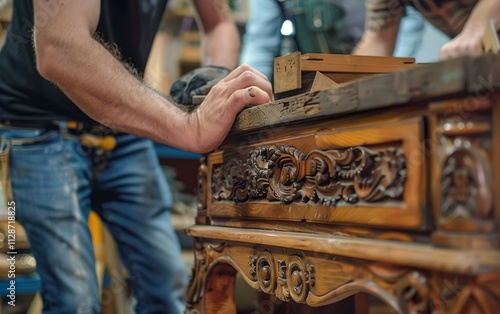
(34, 140)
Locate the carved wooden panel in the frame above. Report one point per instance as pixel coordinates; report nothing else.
(368, 175)
(284, 173)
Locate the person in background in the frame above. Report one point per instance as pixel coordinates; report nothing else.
(63, 81)
(338, 23)
(463, 20)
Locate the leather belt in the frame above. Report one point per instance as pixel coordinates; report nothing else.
(34, 124)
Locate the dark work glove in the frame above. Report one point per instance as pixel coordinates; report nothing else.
(197, 82)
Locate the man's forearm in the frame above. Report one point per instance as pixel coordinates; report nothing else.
(372, 44)
(100, 85)
(469, 41)
(379, 42)
(480, 15)
(221, 46)
(221, 40)
(104, 89)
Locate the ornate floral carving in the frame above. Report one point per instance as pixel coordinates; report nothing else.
(466, 183)
(228, 181)
(283, 173)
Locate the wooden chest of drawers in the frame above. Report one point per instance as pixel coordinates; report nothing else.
(384, 185)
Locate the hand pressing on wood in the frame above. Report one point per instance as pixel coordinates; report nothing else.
(469, 42)
(211, 121)
(464, 44)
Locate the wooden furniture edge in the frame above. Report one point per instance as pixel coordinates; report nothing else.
(466, 262)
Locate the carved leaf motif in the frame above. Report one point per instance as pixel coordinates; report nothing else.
(260, 163)
(381, 175)
(281, 291)
(288, 174)
(253, 265)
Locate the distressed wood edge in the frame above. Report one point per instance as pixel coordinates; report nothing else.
(467, 75)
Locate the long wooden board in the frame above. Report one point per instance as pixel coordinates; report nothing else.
(289, 69)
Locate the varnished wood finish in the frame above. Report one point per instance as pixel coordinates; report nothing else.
(385, 185)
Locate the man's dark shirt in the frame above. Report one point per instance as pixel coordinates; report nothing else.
(25, 95)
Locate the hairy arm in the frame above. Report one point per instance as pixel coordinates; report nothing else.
(69, 56)
(468, 42)
(221, 41)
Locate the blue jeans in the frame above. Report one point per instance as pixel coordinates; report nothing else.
(54, 190)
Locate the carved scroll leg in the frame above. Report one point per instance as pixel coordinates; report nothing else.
(219, 291)
(194, 302)
(211, 289)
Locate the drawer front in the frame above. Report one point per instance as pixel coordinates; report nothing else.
(367, 176)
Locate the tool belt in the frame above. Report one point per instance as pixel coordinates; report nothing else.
(95, 136)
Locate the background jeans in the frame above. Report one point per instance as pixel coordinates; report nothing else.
(54, 191)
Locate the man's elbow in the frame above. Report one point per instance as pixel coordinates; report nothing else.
(48, 58)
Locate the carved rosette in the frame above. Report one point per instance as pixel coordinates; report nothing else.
(283, 173)
(266, 272)
(300, 278)
(286, 279)
(466, 184)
